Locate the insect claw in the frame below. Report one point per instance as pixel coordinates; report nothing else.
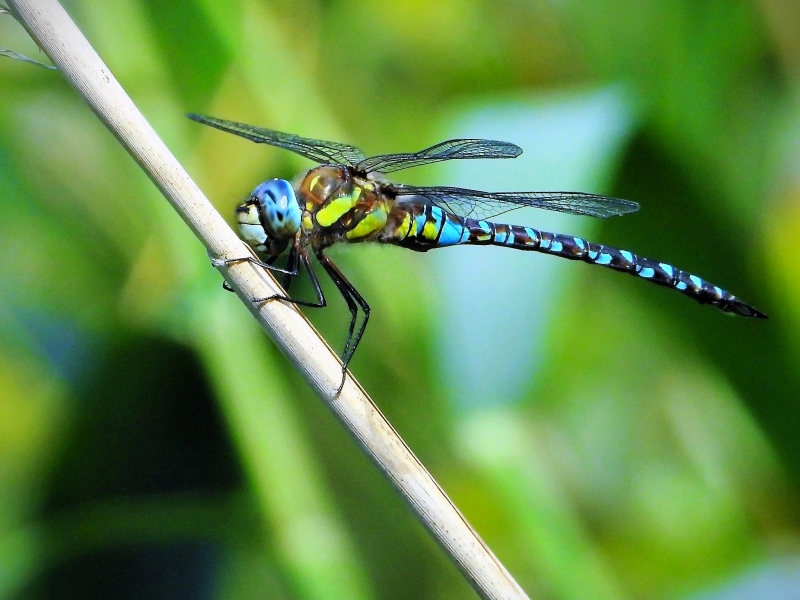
(226, 286)
(341, 385)
(218, 262)
(269, 299)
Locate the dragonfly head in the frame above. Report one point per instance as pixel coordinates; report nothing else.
(271, 214)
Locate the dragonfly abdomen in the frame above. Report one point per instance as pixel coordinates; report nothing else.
(576, 248)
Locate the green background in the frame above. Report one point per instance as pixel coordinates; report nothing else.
(607, 438)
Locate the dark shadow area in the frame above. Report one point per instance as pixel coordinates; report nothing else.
(147, 428)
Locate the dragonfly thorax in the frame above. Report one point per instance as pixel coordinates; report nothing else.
(322, 183)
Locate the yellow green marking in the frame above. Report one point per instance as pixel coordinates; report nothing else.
(337, 208)
(373, 221)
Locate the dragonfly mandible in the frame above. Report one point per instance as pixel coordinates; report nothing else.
(347, 199)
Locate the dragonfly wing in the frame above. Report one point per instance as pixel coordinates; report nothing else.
(449, 150)
(319, 151)
(485, 205)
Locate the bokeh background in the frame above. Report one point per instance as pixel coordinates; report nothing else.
(608, 438)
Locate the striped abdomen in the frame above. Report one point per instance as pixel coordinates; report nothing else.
(452, 230)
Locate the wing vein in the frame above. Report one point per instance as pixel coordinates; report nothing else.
(485, 205)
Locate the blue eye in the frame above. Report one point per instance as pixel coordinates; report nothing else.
(279, 207)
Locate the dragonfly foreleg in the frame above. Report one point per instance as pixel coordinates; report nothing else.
(267, 264)
(254, 261)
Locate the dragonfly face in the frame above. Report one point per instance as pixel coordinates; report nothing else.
(271, 214)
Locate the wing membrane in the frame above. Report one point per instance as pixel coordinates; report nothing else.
(449, 150)
(458, 201)
(485, 205)
(317, 150)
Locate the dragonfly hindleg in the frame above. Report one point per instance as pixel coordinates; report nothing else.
(354, 302)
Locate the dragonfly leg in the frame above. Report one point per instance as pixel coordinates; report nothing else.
(298, 257)
(354, 302)
(254, 261)
(292, 265)
(267, 265)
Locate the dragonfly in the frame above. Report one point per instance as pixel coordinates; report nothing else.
(347, 199)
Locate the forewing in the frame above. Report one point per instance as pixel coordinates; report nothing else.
(319, 151)
(449, 150)
(485, 205)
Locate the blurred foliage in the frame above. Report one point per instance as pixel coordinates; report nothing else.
(154, 444)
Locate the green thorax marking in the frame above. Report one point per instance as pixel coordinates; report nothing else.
(371, 222)
(338, 207)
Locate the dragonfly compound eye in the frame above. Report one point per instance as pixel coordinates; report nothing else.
(279, 209)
